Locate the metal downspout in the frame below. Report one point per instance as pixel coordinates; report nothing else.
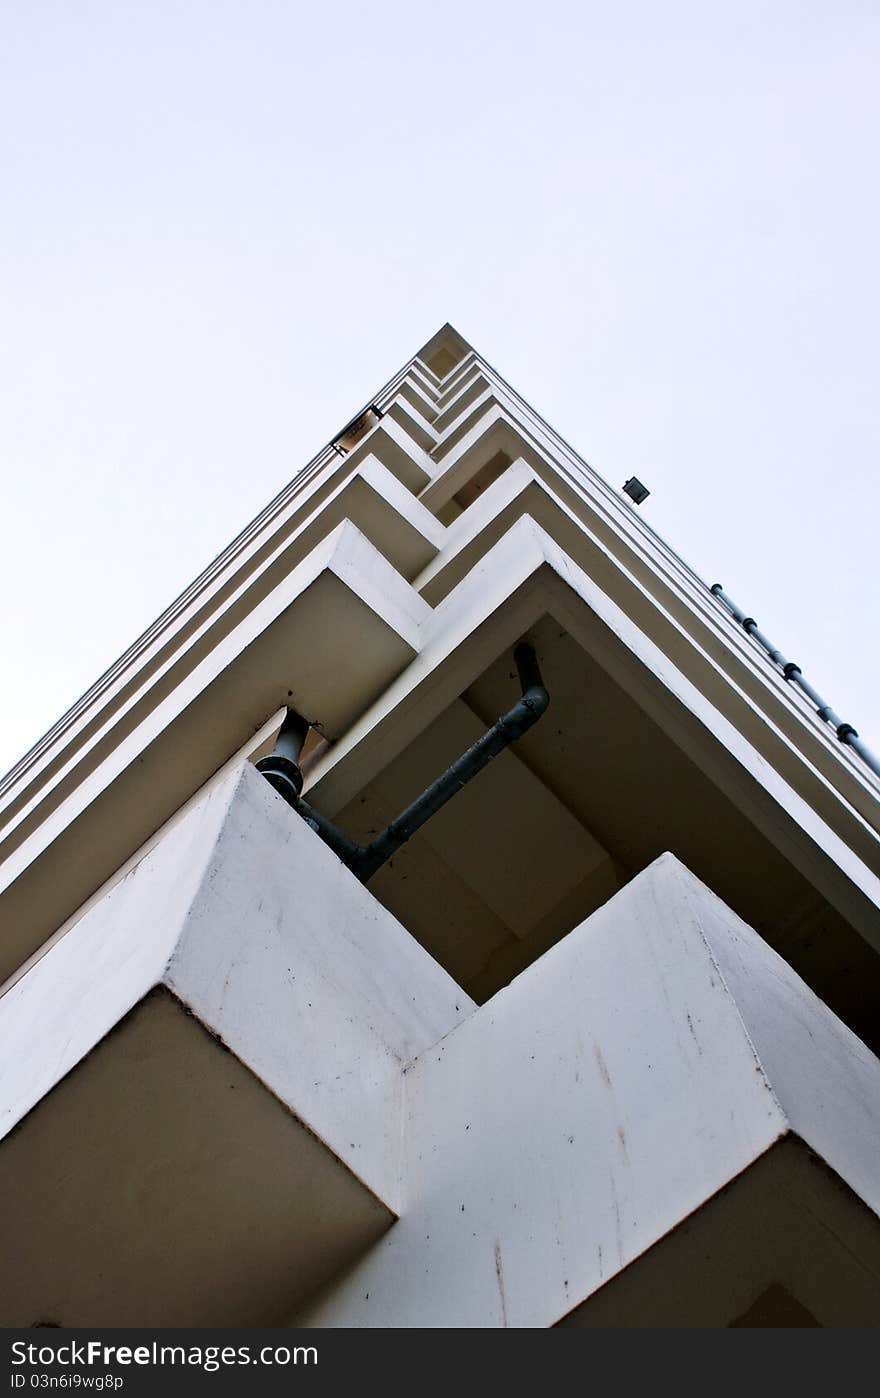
(364, 860)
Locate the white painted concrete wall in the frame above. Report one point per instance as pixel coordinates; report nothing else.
(532, 1147)
(824, 1076)
(257, 928)
(107, 961)
(545, 1139)
(311, 982)
(587, 1109)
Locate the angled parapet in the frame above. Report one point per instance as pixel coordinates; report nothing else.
(502, 485)
(411, 390)
(464, 412)
(385, 512)
(400, 452)
(328, 637)
(467, 389)
(449, 386)
(415, 418)
(444, 353)
(424, 381)
(366, 496)
(525, 576)
(487, 440)
(660, 1053)
(208, 1066)
(476, 433)
(795, 1240)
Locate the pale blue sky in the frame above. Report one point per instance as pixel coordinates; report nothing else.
(226, 223)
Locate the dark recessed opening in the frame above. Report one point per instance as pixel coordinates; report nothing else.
(442, 361)
(575, 809)
(474, 488)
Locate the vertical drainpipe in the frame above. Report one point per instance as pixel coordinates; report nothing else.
(281, 766)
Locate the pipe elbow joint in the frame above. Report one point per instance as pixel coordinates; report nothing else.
(537, 701)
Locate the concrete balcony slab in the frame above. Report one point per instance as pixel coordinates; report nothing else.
(206, 1066)
(784, 1245)
(161, 1184)
(328, 638)
(578, 1118)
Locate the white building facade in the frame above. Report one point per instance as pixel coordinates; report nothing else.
(594, 1046)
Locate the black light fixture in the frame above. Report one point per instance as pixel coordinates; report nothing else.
(635, 490)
